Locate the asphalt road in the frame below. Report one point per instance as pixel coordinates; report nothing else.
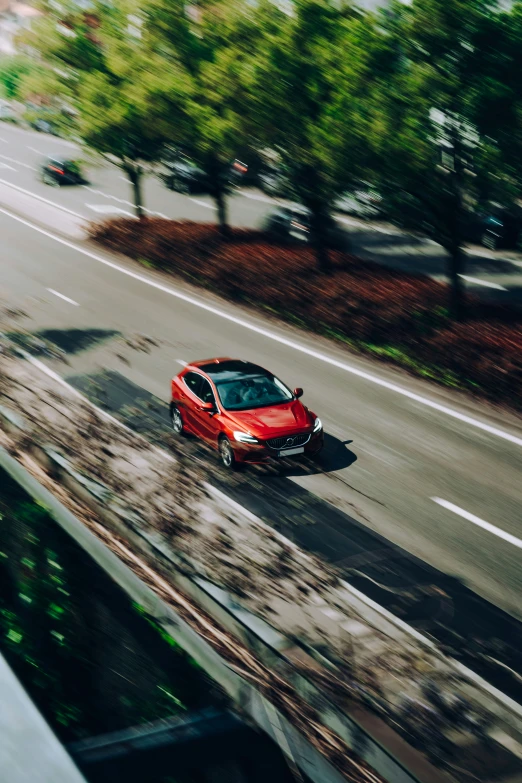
(497, 275)
(434, 472)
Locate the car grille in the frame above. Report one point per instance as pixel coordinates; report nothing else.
(288, 441)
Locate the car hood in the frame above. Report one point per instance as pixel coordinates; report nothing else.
(272, 421)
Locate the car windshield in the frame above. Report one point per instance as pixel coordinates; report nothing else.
(257, 391)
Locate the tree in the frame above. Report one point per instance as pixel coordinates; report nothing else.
(307, 99)
(128, 119)
(127, 100)
(13, 70)
(435, 165)
(212, 50)
(496, 105)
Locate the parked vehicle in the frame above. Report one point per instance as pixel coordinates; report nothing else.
(292, 225)
(244, 412)
(183, 175)
(239, 173)
(6, 111)
(365, 202)
(274, 182)
(58, 171)
(497, 227)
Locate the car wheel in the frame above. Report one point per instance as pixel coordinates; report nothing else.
(50, 180)
(226, 453)
(176, 420)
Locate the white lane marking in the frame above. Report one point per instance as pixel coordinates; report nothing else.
(6, 166)
(108, 209)
(108, 195)
(18, 162)
(4, 141)
(180, 361)
(42, 198)
(202, 203)
(278, 338)
(356, 223)
(479, 522)
(485, 283)
(62, 296)
(120, 201)
(257, 197)
(38, 151)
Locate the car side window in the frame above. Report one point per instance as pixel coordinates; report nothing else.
(205, 392)
(194, 381)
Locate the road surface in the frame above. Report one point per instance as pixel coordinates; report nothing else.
(436, 473)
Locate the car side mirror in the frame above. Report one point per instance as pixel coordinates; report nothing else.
(298, 393)
(207, 407)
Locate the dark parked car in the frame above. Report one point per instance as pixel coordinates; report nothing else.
(292, 224)
(44, 125)
(274, 182)
(181, 174)
(58, 171)
(184, 176)
(365, 203)
(497, 227)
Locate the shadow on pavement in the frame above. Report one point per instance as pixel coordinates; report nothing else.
(439, 605)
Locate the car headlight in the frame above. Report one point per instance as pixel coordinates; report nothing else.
(244, 437)
(318, 425)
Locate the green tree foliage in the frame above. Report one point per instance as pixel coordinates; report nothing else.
(435, 165)
(213, 50)
(126, 114)
(308, 102)
(13, 71)
(127, 98)
(497, 101)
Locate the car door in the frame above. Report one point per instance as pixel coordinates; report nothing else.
(190, 400)
(207, 422)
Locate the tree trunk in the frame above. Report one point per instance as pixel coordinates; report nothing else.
(319, 236)
(222, 215)
(456, 262)
(135, 179)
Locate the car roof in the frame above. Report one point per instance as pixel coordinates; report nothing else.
(58, 159)
(226, 369)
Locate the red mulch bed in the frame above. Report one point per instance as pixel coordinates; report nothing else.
(375, 307)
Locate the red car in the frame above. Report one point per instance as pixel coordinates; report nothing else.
(243, 411)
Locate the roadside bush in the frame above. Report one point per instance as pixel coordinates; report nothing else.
(396, 316)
